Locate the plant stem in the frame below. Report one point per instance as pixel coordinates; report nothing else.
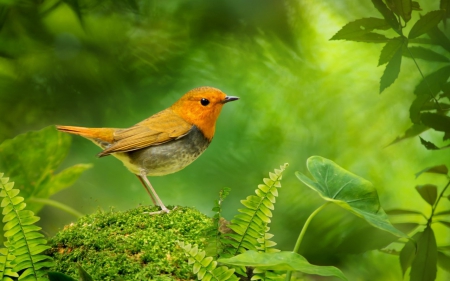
(437, 202)
(426, 81)
(56, 204)
(302, 234)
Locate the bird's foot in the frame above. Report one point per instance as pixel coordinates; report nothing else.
(162, 211)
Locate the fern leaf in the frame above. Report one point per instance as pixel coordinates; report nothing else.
(250, 225)
(206, 267)
(23, 240)
(6, 269)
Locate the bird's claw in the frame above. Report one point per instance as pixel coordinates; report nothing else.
(163, 211)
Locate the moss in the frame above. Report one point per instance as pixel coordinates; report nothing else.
(131, 244)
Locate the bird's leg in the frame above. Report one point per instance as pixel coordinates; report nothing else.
(152, 192)
(147, 189)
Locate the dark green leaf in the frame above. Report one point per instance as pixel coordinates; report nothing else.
(392, 70)
(438, 122)
(402, 8)
(388, 15)
(84, 276)
(425, 23)
(445, 6)
(403, 212)
(413, 131)
(428, 145)
(283, 261)
(444, 248)
(442, 213)
(406, 227)
(439, 169)
(428, 193)
(347, 190)
(439, 38)
(445, 223)
(416, 6)
(424, 54)
(444, 261)
(408, 253)
(357, 29)
(56, 276)
(424, 265)
(416, 108)
(389, 50)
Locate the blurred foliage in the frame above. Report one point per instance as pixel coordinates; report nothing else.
(112, 64)
(33, 166)
(429, 110)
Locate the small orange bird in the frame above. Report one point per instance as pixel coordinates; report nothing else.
(165, 142)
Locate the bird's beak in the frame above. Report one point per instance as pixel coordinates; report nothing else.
(229, 98)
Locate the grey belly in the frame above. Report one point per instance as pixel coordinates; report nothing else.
(169, 157)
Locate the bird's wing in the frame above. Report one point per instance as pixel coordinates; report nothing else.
(159, 128)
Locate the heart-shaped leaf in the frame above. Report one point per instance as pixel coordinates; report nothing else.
(347, 190)
(428, 193)
(283, 261)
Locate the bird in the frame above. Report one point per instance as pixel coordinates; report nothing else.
(164, 143)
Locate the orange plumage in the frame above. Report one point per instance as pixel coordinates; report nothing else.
(167, 141)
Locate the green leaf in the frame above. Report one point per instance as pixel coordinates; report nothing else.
(444, 261)
(425, 23)
(56, 276)
(392, 70)
(84, 276)
(402, 8)
(408, 253)
(424, 265)
(347, 190)
(438, 122)
(283, 261)
(445, 6)
(424, 54)
(439, 38)
(403, 212)
(414, 130)
(445, 223)
(357, 30)
(388, 15)
(390, 49)
(442, 213)
(428, 193)
(33, 166)
(428, 145)
(439, 169)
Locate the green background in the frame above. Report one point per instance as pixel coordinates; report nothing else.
(113, 64)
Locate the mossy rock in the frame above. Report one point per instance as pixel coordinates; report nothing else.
(131, 245)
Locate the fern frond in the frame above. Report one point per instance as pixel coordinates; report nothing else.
(23, 239)
(251, 224)
(265, 244)
(6, 269)
(206, 267)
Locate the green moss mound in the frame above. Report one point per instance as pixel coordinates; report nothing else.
(131, 245)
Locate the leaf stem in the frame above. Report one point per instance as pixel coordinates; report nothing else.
(424, 79)
(302, 234)
(56, 204)
(433, 209)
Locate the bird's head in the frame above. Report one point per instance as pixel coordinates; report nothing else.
(201, 107)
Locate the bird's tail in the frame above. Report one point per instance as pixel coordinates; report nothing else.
(99, 135)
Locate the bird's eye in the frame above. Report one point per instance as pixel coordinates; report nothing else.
(204, 102)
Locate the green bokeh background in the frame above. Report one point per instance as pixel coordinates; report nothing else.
(113, 64)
